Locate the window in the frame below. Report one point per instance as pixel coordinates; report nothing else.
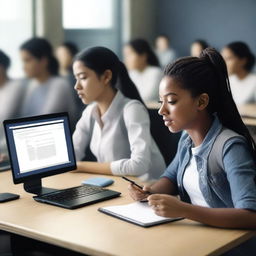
(15, 28)
(87, 14)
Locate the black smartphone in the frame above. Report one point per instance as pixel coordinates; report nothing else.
(5, 197)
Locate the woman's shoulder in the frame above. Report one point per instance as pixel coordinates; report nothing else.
(230, 137)
(252, 77)
(59, 80)
(89, 109)
(134, 109)
(133, 105)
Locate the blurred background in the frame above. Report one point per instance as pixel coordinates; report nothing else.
(113, 22)
(39, 38)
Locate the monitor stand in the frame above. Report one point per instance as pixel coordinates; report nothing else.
(35, 187)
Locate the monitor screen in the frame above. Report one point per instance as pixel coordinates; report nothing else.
(39, 146)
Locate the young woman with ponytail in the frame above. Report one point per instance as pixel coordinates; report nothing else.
(240, 62)
(144, 68)
(115, 124)
(46, 91)
(195, 97)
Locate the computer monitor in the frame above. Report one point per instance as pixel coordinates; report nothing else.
(39, 146)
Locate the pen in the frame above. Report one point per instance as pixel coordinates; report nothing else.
(135, 184)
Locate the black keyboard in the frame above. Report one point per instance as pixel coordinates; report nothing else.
(73, 193)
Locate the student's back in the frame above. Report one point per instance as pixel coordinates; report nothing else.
(46, 92)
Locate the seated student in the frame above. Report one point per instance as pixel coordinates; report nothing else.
(197, 47)
(143, 67)
(65, 54)
(240, 61)
(11, 95)
(164, 52)
(115, 124)
(46, 91)
(195, 97)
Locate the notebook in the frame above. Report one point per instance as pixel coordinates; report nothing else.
(137, 213)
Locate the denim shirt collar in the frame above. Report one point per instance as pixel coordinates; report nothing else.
(211, 135)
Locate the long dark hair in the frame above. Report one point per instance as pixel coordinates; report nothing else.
(208, 74)
(202, 43)
(242, 50)
(71, 47)
(141, 46)
(40, 48)
(100, 59)
(4, 60)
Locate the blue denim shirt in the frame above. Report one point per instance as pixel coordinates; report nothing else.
(233, 188)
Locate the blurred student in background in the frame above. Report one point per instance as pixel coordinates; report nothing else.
(11, 95)
(164, 52)
(65, 54)
(46, 91)
(240, 61)
(143, 67)
(115, 124)
(197, 47)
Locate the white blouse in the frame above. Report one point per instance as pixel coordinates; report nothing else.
(122, 137)
(147, 82)
(243, 91)
(191, 181)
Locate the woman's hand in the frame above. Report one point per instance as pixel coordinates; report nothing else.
(167, 205)
(138, 194)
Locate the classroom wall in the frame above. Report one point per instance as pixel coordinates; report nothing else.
(110, 38)
(217, 21)
(48, 21)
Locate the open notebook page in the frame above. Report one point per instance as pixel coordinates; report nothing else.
(137, 212)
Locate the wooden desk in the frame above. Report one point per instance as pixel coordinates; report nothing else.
(88, 231)
(248, 110)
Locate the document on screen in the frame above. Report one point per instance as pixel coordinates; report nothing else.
(40, 145)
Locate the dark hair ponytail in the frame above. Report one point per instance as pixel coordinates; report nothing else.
(4, 60)
(53, 65)
(41, 48)
(242, 50)
(141, 46)
(208, 74)
(100, 59)
(126, 85)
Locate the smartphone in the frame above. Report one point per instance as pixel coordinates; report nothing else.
(5, 197)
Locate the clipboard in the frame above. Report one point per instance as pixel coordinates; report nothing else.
(138, 213)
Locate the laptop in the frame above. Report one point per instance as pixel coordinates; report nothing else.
(41, 146)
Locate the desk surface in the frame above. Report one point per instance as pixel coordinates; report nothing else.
(88, 231)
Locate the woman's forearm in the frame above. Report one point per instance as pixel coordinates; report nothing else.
(221, 217)
(93, 167)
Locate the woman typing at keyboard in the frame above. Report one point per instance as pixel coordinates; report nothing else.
(115, 124)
